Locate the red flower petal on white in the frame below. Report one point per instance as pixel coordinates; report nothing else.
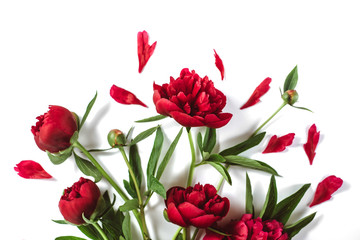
(312, 141)
(123, 96)
(219, 64)
(31, 170)
(144, 49)
(258, 92)
(325, 189)
(279, 144)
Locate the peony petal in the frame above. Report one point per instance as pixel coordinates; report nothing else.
(186, 120)
(204, 221)
(325, 188)
(279, 144)
(189, 210)
(31, 170)
(165, 107)
(258, 92)
(175, 216)
(219, 64)
(123, 96)
(217, 121)
(144, 49)
(312, 141)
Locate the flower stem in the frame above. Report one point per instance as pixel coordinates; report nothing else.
(137, 189)
(177, 233)
(193, 159)
(273, 115)
(98, 228)
(195, 234)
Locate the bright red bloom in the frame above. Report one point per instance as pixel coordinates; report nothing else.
(144, 49)
(81, 198)
(54, 129)
(325, 188)
(31, 169)
(123, 96)
(219, 64)
(312, 141)
(252, 229)
(278, 144)
(192, 101)
(258, 92)
(199, 206)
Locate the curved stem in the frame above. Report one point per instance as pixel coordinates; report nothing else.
(193, 159)
(195, 234)
(99, 229)
(137, 189)
(177, 233)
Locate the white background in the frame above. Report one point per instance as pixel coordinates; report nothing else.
(62, 52)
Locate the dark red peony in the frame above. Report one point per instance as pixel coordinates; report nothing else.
(192, 101)
(54, 129)
(199, 206)
(81, 198)
(249, 228)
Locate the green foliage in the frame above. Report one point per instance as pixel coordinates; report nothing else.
(291, 80)
(87, 168)
(88, 109)
(243, 146)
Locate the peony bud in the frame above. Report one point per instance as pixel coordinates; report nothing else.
(290, 96)
(116, 138)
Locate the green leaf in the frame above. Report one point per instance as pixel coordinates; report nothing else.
(291, 80)
(141, 136)
(135, 163)
(302, 108)
(156, 186)
(151, 119)
(60, 157)
(155, 155)
(243, 146)
(209, 140)
(199, 142)
(216, 158)
(179, 236)
(88, 168)
(249, 206)
(88, 109)
(90, 231)
(294, 229)
(129, 133)
(129, 205)
(284, 208)
(270, 200)
(222, 170)
(130, 189)
(168, 155)
(250, 163)
(126, 227)
(60, 221)
(69, 238)
(112, 221)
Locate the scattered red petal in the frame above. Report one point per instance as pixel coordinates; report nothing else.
(144, 49)
(219, 64)
(31, 170)
(325, 188)
(312, 141)
(279, 144)
(258, 92)
(124, 97)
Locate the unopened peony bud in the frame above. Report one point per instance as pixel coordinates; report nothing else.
(290, 96)
(116, 138)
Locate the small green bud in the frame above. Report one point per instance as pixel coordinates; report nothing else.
(290, 96)
(116, 138)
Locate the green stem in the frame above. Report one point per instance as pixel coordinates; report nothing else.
(195, 234)
(98, 228)
(137, 189)
(177, 233)
(193, 159)
(218, 232)
(273, 115)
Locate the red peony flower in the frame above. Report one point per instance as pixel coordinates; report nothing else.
(123, 96)
(81, 198)
(258, 92)
(219, 64)
(144, 49)
(278, 144)
(325, 188)
(54, 129)
(249, 228)
(199, 206)
(192, 101)
(31, 169)
(312, 141)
